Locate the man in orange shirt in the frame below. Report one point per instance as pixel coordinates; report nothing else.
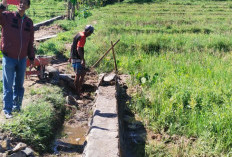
(77, 56)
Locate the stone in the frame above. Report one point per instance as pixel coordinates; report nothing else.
(1, 150)
(108, 80)
(100, 78)
(80, 102)
(3, 154)
(5, 144)
(71, 100)
(109, 77)
(2, 137)
(19, 146)
(18, 154)
(28, 151)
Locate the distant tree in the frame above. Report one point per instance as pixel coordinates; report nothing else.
(74, 5)
(71, 9)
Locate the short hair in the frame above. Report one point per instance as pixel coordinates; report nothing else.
(89, 28)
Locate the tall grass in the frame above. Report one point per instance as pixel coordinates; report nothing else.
(43, 10)
(179, 53)
(180, 56)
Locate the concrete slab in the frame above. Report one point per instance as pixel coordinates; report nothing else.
(103, 137)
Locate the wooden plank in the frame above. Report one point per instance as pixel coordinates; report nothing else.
(47, 22)
(45, 38)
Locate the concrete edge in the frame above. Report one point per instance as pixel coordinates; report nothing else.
(114, 132)
(47, 22)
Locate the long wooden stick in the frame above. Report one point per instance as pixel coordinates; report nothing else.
(115, 63)
(105, 53)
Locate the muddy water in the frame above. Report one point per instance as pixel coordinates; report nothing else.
(72, 140)
(74, 134)
(72, 137)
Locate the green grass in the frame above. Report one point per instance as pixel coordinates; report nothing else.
(43, 10)
(37, 123)
(179, 53)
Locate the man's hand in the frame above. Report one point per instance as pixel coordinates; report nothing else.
(69, 60)
(4, 2)
(32, 63)
(83, 62)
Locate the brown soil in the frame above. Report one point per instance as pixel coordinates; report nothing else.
(48, 31)
(76, 127)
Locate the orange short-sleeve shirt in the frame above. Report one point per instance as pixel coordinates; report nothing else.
(81, 42)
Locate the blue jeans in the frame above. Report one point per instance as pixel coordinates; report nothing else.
(78, 68)
(13, 78)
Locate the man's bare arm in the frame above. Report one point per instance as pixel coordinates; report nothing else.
(4, 2)
(80, 51)
(3, 6)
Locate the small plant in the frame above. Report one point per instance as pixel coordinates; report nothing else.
(84, 12)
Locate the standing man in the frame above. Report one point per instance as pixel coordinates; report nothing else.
(77, 56)
(16, 45)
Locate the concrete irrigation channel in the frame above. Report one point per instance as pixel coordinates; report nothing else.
(110, 133)
(114, 130)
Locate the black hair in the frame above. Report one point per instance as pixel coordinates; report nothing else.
(89, 28)
(29, 2)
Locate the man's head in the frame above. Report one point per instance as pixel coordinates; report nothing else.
(89, 29)
(24, 5)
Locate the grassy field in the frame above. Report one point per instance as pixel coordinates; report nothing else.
(41, 10)
(179, 53)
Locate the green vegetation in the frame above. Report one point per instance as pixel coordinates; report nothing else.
(41, 10)
(179, 53)
(38, 121)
